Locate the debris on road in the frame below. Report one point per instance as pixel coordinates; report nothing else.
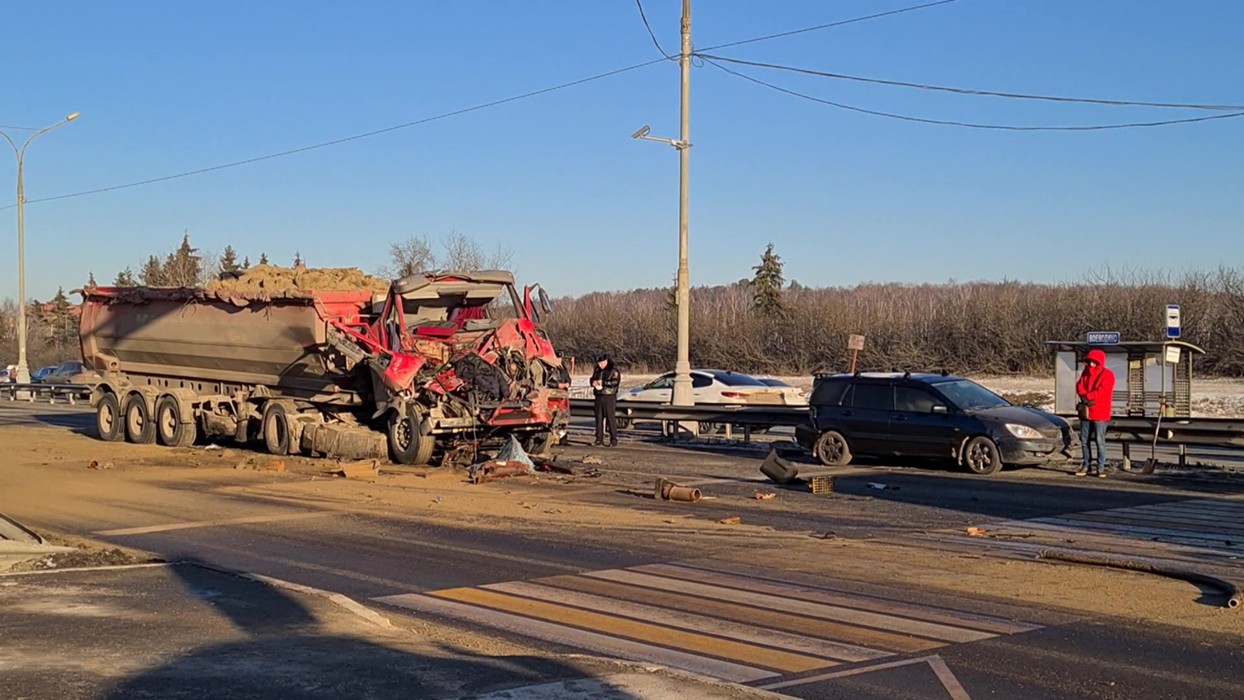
(882, 487)
(1234, 597)
(779, 469)
(511, 460)
(977, 531)
(261, 464)
(592, 459)
(733, 520)
(765, 495)
(93, 464)
(363, 469)
(821, 485)
(666, 490)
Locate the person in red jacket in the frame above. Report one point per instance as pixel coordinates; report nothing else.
(1095, 390)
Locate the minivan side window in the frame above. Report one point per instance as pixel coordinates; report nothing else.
(873, 396)
(913, 400)
(828, 392)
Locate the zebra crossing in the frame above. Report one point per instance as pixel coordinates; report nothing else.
(711, 621)
(1209, 526)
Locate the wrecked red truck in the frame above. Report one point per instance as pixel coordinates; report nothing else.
(428, 371)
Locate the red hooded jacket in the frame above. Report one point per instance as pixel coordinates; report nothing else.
(1096, 386)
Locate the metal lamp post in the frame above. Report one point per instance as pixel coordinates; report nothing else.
(682, 368)
(23, 370)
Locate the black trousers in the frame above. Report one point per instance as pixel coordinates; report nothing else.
(607, 417)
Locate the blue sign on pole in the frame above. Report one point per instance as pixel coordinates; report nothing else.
(1172, 321)
(1104, 338)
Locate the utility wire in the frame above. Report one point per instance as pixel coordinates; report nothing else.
(19, 128)
(969, 125)
(839, 23)
(644, 17)
(346, 139)
(968, 91)
(466, 110)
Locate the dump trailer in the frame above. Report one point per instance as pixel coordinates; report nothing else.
(430, 369)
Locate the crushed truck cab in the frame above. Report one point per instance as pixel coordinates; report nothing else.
(431, 369)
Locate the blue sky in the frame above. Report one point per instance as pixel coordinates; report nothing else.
(165, 88)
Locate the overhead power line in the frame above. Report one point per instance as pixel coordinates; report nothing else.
(478, 107)
(356, 137)
(838, 23)
(651, 34)
(969, 91)
(969, 125)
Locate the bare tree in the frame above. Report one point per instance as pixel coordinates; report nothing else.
(410, 257)
(464, 253)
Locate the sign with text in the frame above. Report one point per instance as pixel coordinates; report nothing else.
(1172, 321)
(1172, 354)
(1104, 338)
(855, 342)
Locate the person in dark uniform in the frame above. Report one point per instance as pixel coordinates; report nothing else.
(605, 381)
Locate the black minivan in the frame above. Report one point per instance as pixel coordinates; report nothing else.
(928, 415)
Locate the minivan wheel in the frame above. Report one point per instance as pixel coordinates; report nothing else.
(981, 456)
(832, 449)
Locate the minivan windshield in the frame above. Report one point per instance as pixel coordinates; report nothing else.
(970, 396)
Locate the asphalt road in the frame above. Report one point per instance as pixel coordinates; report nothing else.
(809, 637)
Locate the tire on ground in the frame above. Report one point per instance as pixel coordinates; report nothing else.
(171, 430)
(140, 429)
(109, 423)
(832, 449)
(276, 428)
(406, 445)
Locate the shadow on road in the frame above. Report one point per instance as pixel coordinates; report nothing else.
(287, 652)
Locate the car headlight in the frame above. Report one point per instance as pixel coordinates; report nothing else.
(1023, 432)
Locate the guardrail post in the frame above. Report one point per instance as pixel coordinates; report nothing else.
(1127, 456)
(1183, 455)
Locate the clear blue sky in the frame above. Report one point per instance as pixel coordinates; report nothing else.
(165, 88)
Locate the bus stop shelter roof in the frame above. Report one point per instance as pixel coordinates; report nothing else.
(1145, 346)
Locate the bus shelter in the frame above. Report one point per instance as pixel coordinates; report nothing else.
(1148, 376)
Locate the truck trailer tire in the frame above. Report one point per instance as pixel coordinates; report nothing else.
(109, 424)
(406, 444)
(275, 428)
(171, 430)
(140, 429)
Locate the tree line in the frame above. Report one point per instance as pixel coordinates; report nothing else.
(766, 324)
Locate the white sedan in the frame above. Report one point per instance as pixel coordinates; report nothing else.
(710, 386)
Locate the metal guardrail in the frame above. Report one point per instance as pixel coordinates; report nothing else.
(1199, 432)
(751, 416)
(70, 393)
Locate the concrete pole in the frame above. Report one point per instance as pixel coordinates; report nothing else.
(682, 369)
(23, 368)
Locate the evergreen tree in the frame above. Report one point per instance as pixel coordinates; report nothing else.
(60, 320)
(263, 259)
(182, 267)
(152, 274)
(298, 259)
(767, 283)
(125, 278)
(229, 260)
(90, 279)
(246, 263)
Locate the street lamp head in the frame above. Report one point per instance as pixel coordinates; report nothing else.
(73, 116)
(643, 131)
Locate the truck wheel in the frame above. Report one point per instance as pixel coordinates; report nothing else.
(170, 430)
(108, 421)
(406, 445)
(139, 428)
(832, 449)
(981, 456)
(274, 427)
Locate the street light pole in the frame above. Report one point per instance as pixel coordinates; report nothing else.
(23, 369)
(682, 368)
